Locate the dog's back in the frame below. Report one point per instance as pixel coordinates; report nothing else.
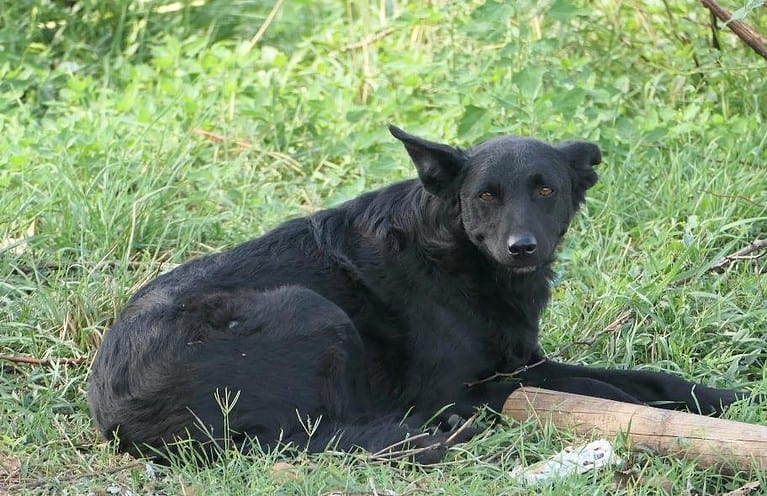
(274, 321)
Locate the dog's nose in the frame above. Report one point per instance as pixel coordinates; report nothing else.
(520, 246)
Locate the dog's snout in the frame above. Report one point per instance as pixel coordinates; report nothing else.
(520, 246)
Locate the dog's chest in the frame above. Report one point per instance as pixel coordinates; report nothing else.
(488, 324)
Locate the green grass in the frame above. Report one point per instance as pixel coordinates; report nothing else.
(105, 181)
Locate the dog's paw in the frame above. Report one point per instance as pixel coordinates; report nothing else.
(714, 401)
(432, 449)
(430, 454)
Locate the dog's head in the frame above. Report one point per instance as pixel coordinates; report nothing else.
(517, 196)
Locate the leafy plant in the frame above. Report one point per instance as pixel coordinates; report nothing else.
(139, 134)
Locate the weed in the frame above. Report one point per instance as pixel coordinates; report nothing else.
(139, 134)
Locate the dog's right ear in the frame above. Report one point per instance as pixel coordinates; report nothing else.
(439, 166)
(583, 156)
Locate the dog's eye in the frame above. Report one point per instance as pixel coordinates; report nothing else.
(486, 196)
(545, 191)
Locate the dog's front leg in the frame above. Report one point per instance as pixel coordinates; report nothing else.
(633, 386)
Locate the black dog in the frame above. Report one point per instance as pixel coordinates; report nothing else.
(331, 328)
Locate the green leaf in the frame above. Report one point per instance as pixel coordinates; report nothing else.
(528, 80)
(471, 116)
(563, 10)
(356, 115)
(737, 15)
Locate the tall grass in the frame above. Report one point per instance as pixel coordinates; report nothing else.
(137, 134)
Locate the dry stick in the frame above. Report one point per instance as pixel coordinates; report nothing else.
(215, 138)
(366, 72)
(743, 490)
(744, 32)
(415, 490)
(742, 254)
(244, 146)
(32, 484)
(387, 455)
(710, 442)
(48, 362)
(736, 197)
(463, 427)
(515, 373)
(399, 455)
(402, 442)
(267, 22)
(369, 40)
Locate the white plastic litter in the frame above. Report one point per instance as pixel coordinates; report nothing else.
(571, 460)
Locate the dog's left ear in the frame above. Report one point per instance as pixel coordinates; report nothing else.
(582, 156)
(439, 166)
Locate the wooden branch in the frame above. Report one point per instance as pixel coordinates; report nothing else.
(369, 40)
(736, 197)
(740, 28)
(719, 265)
(710, 442)
(215, 138)
(742, 254)
(265, 25)
(48, 362)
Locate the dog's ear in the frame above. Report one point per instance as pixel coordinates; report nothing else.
(439, 166)
(582, 156)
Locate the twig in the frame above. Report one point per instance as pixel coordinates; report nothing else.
(414, 490)
(387, 449)
(743, 30)
(31, 484)
(719, 265)
(244, 146)
(744, 490)
(48, 362)
(369, 40)
(498, 375)
(679, 34)
(613, 326)
(405, 453)
(742, 254)
(463, 427)
(216, 138)
(735, 197)
(386, 455)
(267, 22)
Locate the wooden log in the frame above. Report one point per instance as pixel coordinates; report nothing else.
(740, 28)
(708, 441)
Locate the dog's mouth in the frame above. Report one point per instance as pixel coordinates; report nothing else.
(502, 257)
(513, 266)
(526, 269)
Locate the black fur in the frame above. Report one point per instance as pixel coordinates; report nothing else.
(343, 322)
